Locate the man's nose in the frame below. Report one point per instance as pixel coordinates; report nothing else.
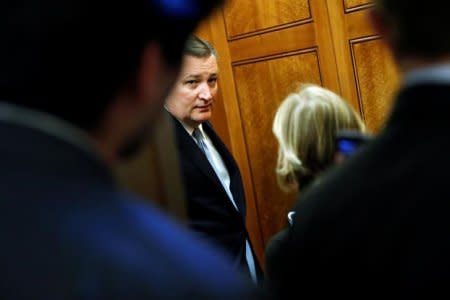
(205, 92)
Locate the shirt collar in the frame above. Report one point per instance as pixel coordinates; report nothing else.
(190, 129)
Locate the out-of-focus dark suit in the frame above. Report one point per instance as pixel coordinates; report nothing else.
(210, 210)
(67, 232)
(378, 225)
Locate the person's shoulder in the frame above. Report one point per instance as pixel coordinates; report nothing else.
(149, 253)
(341, 187)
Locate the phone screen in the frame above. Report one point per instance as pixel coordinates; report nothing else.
(348, 141)
(347, 146)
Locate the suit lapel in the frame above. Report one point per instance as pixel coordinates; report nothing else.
(190, 149)
(232, 168)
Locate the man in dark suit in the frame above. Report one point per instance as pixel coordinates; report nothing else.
(379, 226)
(79, 83)
(214, 191)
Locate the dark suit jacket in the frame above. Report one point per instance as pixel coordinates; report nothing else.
(379, 225)
(67, 232)
(210, 210)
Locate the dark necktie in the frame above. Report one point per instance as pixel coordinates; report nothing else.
(198, 136)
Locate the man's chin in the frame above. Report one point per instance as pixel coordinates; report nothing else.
(203, 117)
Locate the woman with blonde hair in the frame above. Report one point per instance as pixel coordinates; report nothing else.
(305, 125)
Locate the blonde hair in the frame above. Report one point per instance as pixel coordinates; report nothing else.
(305, 126)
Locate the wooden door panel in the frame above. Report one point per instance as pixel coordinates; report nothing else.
(244, 17)
(367, 73)
(376, 80)
(354, 4)
(357, 25)
(261, 84)
(274, 42)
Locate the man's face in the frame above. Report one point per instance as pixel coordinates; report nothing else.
(193, 95)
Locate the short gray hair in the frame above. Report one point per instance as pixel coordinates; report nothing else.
(198, 48)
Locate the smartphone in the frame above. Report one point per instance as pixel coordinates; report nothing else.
(348, 141)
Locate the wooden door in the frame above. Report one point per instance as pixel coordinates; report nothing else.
(266, 49)
(367, 74)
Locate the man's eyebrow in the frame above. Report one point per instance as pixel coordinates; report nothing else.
(191, 76)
